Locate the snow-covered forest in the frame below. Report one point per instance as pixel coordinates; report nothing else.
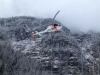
(58, 53)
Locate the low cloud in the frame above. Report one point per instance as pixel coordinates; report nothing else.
(81, 14)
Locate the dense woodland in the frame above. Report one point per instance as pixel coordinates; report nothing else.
(57, 53)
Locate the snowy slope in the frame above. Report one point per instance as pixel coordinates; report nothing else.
(57, 52)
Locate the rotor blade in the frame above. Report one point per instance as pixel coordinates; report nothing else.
(56, 15)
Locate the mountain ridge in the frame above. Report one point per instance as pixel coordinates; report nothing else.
(54, 52)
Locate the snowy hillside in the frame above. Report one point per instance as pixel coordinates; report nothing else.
(56, 53)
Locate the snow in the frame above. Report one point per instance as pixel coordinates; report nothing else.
(89, 45)
(36, 57)
(27, 48)
(45, 58)
(83, 48)
(56, 61)
(24, 46)
(98, 59)
(40, 57)
(89, 56)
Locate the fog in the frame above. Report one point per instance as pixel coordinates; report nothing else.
(81, 15)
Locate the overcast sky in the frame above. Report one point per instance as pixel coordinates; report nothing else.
(75, 14)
